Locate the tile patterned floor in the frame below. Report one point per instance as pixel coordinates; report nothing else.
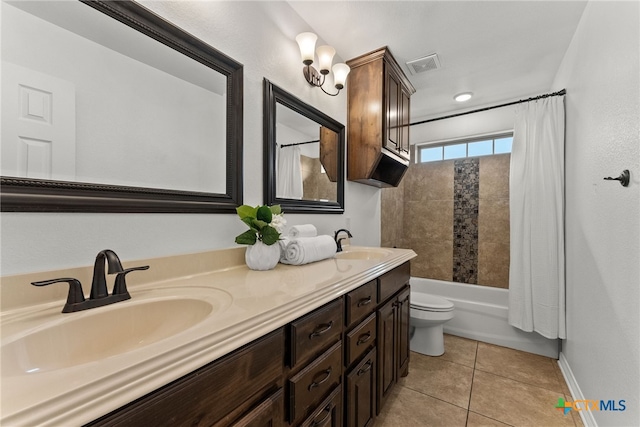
(478, 384)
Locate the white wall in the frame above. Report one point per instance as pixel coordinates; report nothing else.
(600, 72)
(486, 122)
(260, 35)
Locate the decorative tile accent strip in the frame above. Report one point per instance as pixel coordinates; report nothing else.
(466, 195)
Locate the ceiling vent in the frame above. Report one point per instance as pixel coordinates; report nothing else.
(420, 65)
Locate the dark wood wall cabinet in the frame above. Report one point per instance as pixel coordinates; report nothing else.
(334, 366)
(379, 96)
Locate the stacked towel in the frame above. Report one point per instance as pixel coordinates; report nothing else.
(304, 230)
(304, 250)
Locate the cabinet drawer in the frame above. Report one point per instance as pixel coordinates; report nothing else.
(392, 281)
(361, 302)
(328, 413)
(268, 413)
(360, 339)
(312, 384)
(314, 332)
(212, 393)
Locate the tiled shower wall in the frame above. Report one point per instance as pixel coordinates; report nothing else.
(315, 184)
(455, 215)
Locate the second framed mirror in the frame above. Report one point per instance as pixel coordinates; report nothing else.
(303, 155)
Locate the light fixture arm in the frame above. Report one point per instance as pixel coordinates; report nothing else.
(330, 94)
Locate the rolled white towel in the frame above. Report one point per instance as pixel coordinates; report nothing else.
(304, 230)
(304, 250)
(283, 242)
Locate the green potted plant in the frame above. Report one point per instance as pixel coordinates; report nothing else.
(266, 224)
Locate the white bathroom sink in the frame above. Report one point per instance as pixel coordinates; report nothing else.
(363, 253)
(77, 338)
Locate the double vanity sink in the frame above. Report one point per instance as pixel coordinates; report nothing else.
(75, 367)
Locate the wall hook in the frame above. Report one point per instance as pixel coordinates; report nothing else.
(623, 178)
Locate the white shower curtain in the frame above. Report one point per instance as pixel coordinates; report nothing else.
(289, 175)
(536, 185)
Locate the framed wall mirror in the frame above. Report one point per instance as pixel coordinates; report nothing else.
(303, 155)
(107, 107)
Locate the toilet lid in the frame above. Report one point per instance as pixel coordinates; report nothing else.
(428, 302)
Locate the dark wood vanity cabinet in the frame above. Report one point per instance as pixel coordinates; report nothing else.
(360, 341)
(315, 360)
(220, 393)
(331, 367)
(393, 331)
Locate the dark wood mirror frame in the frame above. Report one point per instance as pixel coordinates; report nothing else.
(274, 95)
(36, 195)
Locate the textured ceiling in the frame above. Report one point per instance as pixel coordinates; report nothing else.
(499, 50)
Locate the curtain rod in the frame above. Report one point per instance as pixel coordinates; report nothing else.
(300, 143)
(559, 93)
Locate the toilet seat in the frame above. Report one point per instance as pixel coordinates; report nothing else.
(426, 302)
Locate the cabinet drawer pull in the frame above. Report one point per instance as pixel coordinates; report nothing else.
(327, 375)
(326, 409)
(364, 301)
(321, 329)
(364, 338)
(367, 367)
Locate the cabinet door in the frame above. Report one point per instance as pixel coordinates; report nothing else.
(404, 313)
(361, 392)
(393, 135)
(403, 111)
(387, 331)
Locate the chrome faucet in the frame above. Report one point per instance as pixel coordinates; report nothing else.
(99, 295)
(339, 241)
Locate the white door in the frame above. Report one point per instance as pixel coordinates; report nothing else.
(38, 125)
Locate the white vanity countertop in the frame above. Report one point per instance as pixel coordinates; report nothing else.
(249, 304)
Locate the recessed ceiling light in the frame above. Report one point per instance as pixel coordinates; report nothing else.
(463, 97)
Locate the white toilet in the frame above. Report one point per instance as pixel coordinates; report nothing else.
(428, 314)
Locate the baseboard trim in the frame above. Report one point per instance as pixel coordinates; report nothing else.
(576, 394)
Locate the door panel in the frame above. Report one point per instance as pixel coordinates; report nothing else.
(38, 125)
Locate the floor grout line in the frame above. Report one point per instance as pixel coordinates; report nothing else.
(433, 397)
(465, 356)
(519, 381)
(473, 375)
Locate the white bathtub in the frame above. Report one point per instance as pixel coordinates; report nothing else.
(481, 314)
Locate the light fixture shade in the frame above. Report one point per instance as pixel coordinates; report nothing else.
(340, 72)
(307, 44)
(325, 58)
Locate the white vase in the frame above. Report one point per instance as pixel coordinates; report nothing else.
(262, 257)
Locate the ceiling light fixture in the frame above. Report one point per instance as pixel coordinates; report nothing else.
(463, 97)
(307, 44)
